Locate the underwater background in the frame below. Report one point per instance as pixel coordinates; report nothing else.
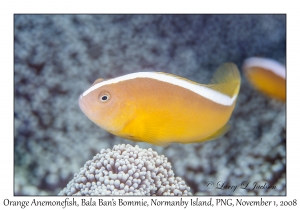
(57, 57)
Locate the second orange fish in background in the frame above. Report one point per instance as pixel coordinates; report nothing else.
(267, 76)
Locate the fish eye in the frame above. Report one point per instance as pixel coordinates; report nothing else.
(104, 97)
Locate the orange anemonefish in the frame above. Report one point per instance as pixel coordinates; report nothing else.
(161, 108)
(267, 76)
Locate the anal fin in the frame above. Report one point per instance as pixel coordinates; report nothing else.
(218, 134)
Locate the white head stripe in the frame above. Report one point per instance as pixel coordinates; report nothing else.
(266, 63)
(200, 90)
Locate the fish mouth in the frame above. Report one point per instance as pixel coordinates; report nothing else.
(84, 105)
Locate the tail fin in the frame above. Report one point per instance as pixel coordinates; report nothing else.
(226, 80)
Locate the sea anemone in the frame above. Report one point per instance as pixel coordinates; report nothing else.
(126, 170)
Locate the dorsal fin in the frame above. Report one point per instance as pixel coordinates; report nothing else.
(226, 80)
(178, 77)
(97, 81)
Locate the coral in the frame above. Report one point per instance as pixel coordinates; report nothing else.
(126, 170)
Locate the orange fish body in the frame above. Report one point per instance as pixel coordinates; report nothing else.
(267, 76)
(161, 108)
